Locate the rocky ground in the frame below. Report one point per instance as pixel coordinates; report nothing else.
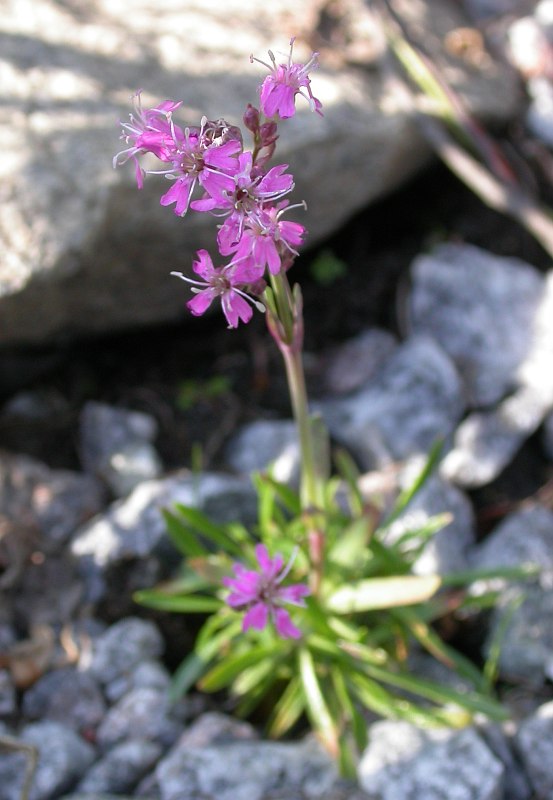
(426, 315)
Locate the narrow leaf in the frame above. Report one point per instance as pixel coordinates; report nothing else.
(407, 496)
(287, 496)
(180, 603)
(317, 708)
(288, 709)
(223, 673)
(198, 521)
(186, 675)
(379, 593)
(181, 535)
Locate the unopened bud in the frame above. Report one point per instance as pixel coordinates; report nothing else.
(251, 118)
(268, 133)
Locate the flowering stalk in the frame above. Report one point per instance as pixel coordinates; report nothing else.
(236, 186)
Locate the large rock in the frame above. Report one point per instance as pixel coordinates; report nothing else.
(493, 317)
(83, 251)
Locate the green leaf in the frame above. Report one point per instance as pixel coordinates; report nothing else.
(288, 709)
(350, 548)
(217, 633)
(474, 702)
(372, 695)
(350, 473)
(377, 699)
(189, 671)
(421, 535)
(430, 640)
(465, 577)
(316, 706)
(223, 673)
(183, 538)
(180, 603)
(199, 522)
(407, 496)
(379, 593)
(248, 702)
(287, 496)
(256, 678)
(491, 666)
(356, 721)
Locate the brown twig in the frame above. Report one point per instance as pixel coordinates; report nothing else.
(31, 754)
(494, 180)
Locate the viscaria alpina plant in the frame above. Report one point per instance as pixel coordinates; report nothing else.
(314, 610)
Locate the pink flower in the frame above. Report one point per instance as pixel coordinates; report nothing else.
(263, 240)
(261, 594)
(225, 284)
(148, 131)
(285, 81)
(195, 163)
(247, 189)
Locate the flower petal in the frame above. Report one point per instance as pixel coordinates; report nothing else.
(293, 594)
(284, 625)
(201, 301)
(256, 617)
(203, 265)
(235, 308)
(270, 567)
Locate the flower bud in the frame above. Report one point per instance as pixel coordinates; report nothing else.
(251, 118)
(268, 133)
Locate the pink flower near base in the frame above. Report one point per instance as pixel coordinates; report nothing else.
(264, 238)
(226, 283)
(284, 82)
(261, 595)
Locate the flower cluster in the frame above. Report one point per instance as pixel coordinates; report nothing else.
(262, 595)
(211, 172)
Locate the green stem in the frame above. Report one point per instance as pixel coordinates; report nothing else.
(287, 330)
(298, 396)
(285, 322)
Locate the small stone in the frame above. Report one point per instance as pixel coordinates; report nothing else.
(69, 696)
(403, 762)
(49, 502)
(534, 742)
(214, 728)
(485, 442)
(123, 646)
(528, 46)
(526, 652)
(117, 446)
(150, 674)
(142, 713)
(267, 443)
(524, 537)
(486, 313)
(414, 400)
(500, 742)
(121, 768)
(356, 361)
(63, 758)
(50, 592)
(134, 527)
(246, 771)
